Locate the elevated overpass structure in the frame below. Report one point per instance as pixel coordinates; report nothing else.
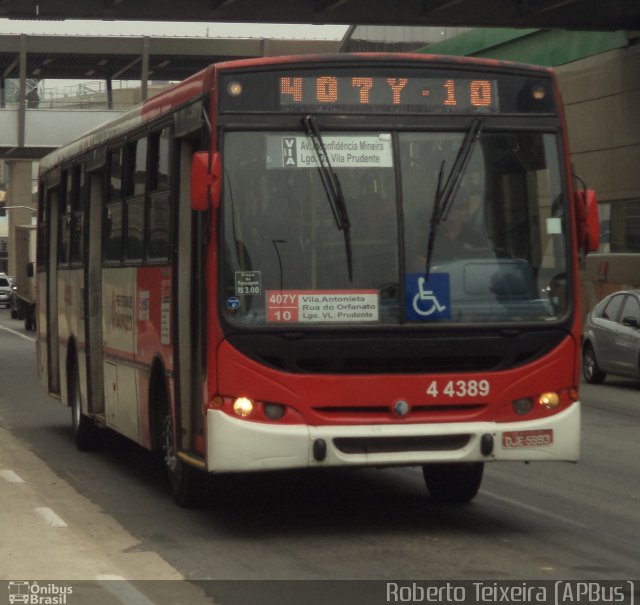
(145, 58)
(31, 132)
(28, 132)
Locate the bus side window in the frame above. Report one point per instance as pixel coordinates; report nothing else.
(75, 205)
(159, 194)
(133, 188)
(64, 220)
(113, 210)
(43, 226)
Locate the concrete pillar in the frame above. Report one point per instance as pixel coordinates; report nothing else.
(18, 194)
(144, 79)
(22, 90)
(109, 93)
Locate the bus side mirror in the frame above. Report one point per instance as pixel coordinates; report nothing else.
(205, 180)
(31, 272)
(588, 220)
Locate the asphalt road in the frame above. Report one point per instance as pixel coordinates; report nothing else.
(539, 521)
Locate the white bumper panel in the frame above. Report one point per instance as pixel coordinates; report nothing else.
(235, 445)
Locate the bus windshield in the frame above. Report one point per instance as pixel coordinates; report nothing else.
(498, 253)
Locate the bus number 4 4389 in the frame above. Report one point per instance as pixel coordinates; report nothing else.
(460, 388)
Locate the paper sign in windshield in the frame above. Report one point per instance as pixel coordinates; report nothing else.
(361, 151)
(318, 306)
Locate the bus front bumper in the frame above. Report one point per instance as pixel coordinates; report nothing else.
(235, 445)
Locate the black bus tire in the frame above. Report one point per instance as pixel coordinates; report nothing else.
(185, 481)
(86, 435)
(453, 483)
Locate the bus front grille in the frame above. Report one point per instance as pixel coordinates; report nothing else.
(388, 445)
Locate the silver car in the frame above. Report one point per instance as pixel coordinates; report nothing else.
(5, 290)
(611, 342)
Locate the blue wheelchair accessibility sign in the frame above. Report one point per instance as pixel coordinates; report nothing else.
(427, 299)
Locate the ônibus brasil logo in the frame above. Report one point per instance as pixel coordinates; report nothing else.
(35, 593)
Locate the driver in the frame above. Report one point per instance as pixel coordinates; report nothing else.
(459, 234)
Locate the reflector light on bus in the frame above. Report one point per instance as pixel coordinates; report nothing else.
(522, 406)
(274, 411)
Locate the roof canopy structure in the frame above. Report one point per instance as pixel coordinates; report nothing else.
(128, 58)
(584, 14)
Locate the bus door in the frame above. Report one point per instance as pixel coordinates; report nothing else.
(189, 284)
(92, 262)
(53, 344)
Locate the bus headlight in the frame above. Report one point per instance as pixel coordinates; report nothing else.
(243, 407)
(549, 400)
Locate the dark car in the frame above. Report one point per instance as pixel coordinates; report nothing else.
(612, 338)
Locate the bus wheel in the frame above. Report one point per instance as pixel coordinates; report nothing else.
(453, 483)
(183, 479)
(590, 368)
(86, 434)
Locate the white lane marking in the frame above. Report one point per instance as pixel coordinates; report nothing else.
(50, 517)
(29, 338)
(11, 476)
(122, 590)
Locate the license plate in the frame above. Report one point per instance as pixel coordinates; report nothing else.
(536, 438)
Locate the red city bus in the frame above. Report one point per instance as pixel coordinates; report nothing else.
(321, 261)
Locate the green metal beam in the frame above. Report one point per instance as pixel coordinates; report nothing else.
(550, 47)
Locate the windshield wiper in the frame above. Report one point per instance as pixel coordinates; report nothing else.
(445, 194)
(332, 187)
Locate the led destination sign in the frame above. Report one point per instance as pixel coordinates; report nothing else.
(428, 94)
(385, 91)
